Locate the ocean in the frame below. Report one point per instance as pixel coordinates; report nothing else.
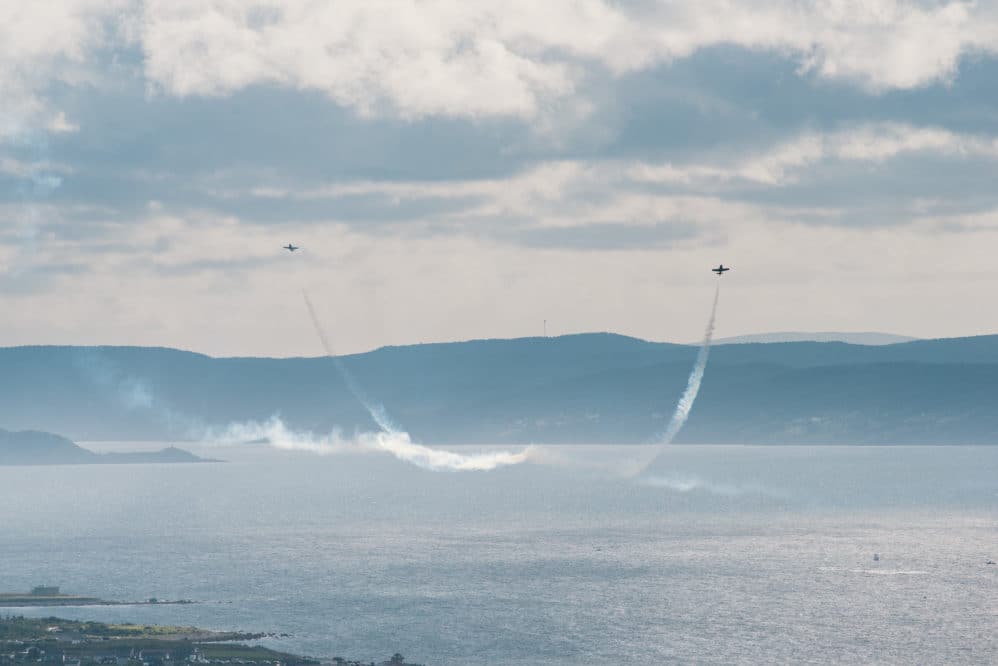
(717, 554)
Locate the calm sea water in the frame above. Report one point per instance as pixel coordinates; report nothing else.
(721, 555)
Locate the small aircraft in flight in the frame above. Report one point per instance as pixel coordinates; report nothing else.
(289, 247)
(720, 270)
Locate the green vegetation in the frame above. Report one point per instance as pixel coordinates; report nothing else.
(56, 640)
(23, 628)
(144, 630)
(53, 641)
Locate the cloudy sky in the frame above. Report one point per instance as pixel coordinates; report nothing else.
(458, 169)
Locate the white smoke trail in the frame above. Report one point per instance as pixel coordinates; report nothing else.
(686, 401)
(377, 411)
(687, 484)
(392, 438)
(278, 435)
(399, 445)
(133, 393)
(689, 396)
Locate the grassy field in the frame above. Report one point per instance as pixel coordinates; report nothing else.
(89, 639)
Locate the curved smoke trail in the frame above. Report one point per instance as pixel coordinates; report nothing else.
(392, 438)
(377, 411)
(689, 396)
(685, 403)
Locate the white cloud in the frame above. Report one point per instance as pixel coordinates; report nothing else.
(886, 140)
(541, 187)
(61, 125)
(781, 164)
(441, 58)
(880, 44)
(565, 193)
(516, 58)
(42, 43)
(225, 287)
(32, 170)
(475, 265)
(560, 194)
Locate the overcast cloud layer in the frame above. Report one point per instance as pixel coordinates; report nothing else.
(468, 169)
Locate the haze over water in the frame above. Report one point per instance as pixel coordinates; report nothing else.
(721, 554)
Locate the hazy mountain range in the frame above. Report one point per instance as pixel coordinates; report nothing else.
(860, 338)
(576, 388)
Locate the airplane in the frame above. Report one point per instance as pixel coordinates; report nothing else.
(720, 270)
(289, 247)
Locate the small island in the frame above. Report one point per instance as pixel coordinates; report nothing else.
(52, 640)
(34, 447)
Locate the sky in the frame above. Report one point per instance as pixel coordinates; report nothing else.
(457, 170)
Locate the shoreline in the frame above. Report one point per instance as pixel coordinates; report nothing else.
(84, 643)
(21, 600)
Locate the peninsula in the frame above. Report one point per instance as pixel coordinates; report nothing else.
(34, 447)
(52, 640)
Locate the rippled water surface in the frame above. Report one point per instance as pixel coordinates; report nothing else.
(717, 554)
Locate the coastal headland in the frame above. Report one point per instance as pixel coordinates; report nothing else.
(51, 640)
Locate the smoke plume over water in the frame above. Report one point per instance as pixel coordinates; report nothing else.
(689, 396)
(136, 395)
(692, 483)
(392, 438)
(398, 444)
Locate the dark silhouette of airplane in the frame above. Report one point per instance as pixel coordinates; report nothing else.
(289, 247)
(720, 270)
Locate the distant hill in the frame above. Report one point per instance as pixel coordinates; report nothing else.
(865, 338)
(32, 447)
(597, 387)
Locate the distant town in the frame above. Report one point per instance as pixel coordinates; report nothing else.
(53, 641)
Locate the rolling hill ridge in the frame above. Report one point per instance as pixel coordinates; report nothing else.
(579, 388)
